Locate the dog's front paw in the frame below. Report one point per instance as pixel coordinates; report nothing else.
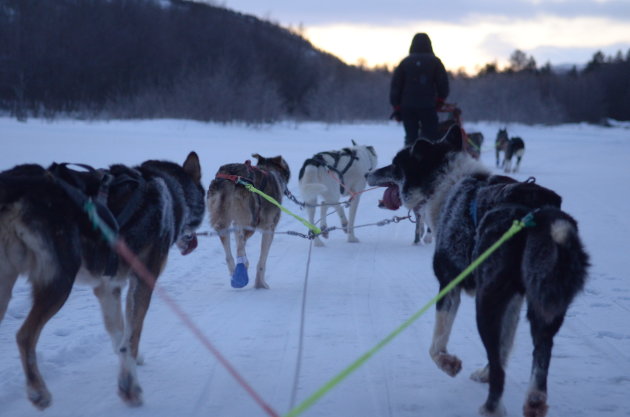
(535, 405)
(427, 239)
(450, 364)
(499, 411)
(318, 243)
(129, 389)
(40, 398)
(481, 375)
(260, 282)
(353, 239)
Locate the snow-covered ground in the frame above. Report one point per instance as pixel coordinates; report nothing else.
(356, 293)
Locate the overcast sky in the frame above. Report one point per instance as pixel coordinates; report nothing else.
(464, 33)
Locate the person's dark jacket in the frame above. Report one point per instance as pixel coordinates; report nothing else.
(420, 78)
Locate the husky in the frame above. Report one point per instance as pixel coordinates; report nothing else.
(231, 205)
(45, 235)
(334, 174)
(391, 201)
(469, 210)
(473, 143)
(514, 146)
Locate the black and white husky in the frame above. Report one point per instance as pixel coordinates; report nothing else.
(45, 235)
(469, 210)
(334, 174)
(511, 147)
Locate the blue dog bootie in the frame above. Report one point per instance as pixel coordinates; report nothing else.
(240, 278)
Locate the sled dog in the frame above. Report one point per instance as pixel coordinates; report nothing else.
(511, 147)
(45, 235)
(469, 210)
(473, 144)
(331, 175)
(391, 201)
(231, 205)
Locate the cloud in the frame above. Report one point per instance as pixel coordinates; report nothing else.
(479, 41)
(464, 33)
(403, 11)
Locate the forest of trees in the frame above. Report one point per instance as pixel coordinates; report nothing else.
(180, 59)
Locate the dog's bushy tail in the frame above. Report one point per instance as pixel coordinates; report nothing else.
(309, 184)
(554, 264)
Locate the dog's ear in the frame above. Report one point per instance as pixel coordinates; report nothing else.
(258, 157)
(453, 138)
(353, 142)
(277, 160)
(192, 166)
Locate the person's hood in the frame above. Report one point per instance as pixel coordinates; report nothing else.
(421, 43)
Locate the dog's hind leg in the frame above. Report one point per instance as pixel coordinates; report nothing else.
(323, 222)
(241, 241)
(224, 236)
(267, 238)
(49, 295)
(543, 330)
(352, 215)
(519, 156)
(7, 281)
(342, 217)
(137, 305)
(418, 232)
(446, 310)
(422, 229)
(508, 331)
(497, 316)
(109, 298)
(310, 209)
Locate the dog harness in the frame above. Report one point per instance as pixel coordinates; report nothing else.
(252, 169)
(318, 160)
(75, 187)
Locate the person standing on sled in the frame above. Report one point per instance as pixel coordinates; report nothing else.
(418, 90)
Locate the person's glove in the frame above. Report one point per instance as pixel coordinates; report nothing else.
(396, 114)
(439, 103)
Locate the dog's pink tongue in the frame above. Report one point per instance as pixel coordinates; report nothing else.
(391, 198)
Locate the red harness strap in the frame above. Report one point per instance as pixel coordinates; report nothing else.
(233, 178)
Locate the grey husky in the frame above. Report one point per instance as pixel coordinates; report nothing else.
(45, 235)
(469, 210)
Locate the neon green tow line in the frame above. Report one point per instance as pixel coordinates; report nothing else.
(273, 201)
(527, 221)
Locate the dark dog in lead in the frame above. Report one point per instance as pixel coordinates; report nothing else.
(469, 210)
(511, 147)
(45, 235)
